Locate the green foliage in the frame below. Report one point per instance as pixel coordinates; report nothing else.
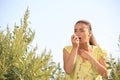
(114, 66)
(119, 42)
(18, 61)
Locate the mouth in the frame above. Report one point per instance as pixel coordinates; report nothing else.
(79, 38)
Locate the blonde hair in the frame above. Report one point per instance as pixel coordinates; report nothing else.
(92, 40)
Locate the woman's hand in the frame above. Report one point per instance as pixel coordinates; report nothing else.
(100, 64)
(75, 41)
(84, 54)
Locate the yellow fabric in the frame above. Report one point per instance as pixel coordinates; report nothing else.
(85, 70)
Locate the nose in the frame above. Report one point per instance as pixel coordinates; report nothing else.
(77, 33)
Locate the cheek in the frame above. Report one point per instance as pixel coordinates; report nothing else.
(85, 36)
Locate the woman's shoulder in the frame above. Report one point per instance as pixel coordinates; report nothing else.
(68, 48)
(99, 49)
(100, 52)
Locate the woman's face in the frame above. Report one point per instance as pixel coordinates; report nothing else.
(82, 31)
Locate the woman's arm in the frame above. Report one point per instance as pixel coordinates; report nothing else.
(100, 64)
(69, 59)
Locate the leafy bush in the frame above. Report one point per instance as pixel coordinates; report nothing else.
(18, 60)
(114, 66)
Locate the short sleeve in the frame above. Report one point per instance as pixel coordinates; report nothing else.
(68, 48)
(103, 54)
(100, 53)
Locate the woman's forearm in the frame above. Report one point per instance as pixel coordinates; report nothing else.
(70, 62)
(100, 68)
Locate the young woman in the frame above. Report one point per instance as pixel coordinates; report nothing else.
(84, 60)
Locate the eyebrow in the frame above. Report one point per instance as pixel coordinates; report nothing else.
(80, 29)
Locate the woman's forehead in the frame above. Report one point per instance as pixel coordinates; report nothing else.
(81, 25)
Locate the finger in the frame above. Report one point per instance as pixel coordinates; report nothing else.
(72, 37)
(76, 37)
(81, 50)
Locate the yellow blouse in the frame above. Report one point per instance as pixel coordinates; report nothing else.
(85, 70)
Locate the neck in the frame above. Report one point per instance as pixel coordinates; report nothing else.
(85, 46)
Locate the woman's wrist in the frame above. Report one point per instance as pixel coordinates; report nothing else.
(75, 47)
(91, 59)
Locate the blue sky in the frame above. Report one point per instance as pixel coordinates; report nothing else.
(53, 21)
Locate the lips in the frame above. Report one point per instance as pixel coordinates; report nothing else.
(79, 38)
